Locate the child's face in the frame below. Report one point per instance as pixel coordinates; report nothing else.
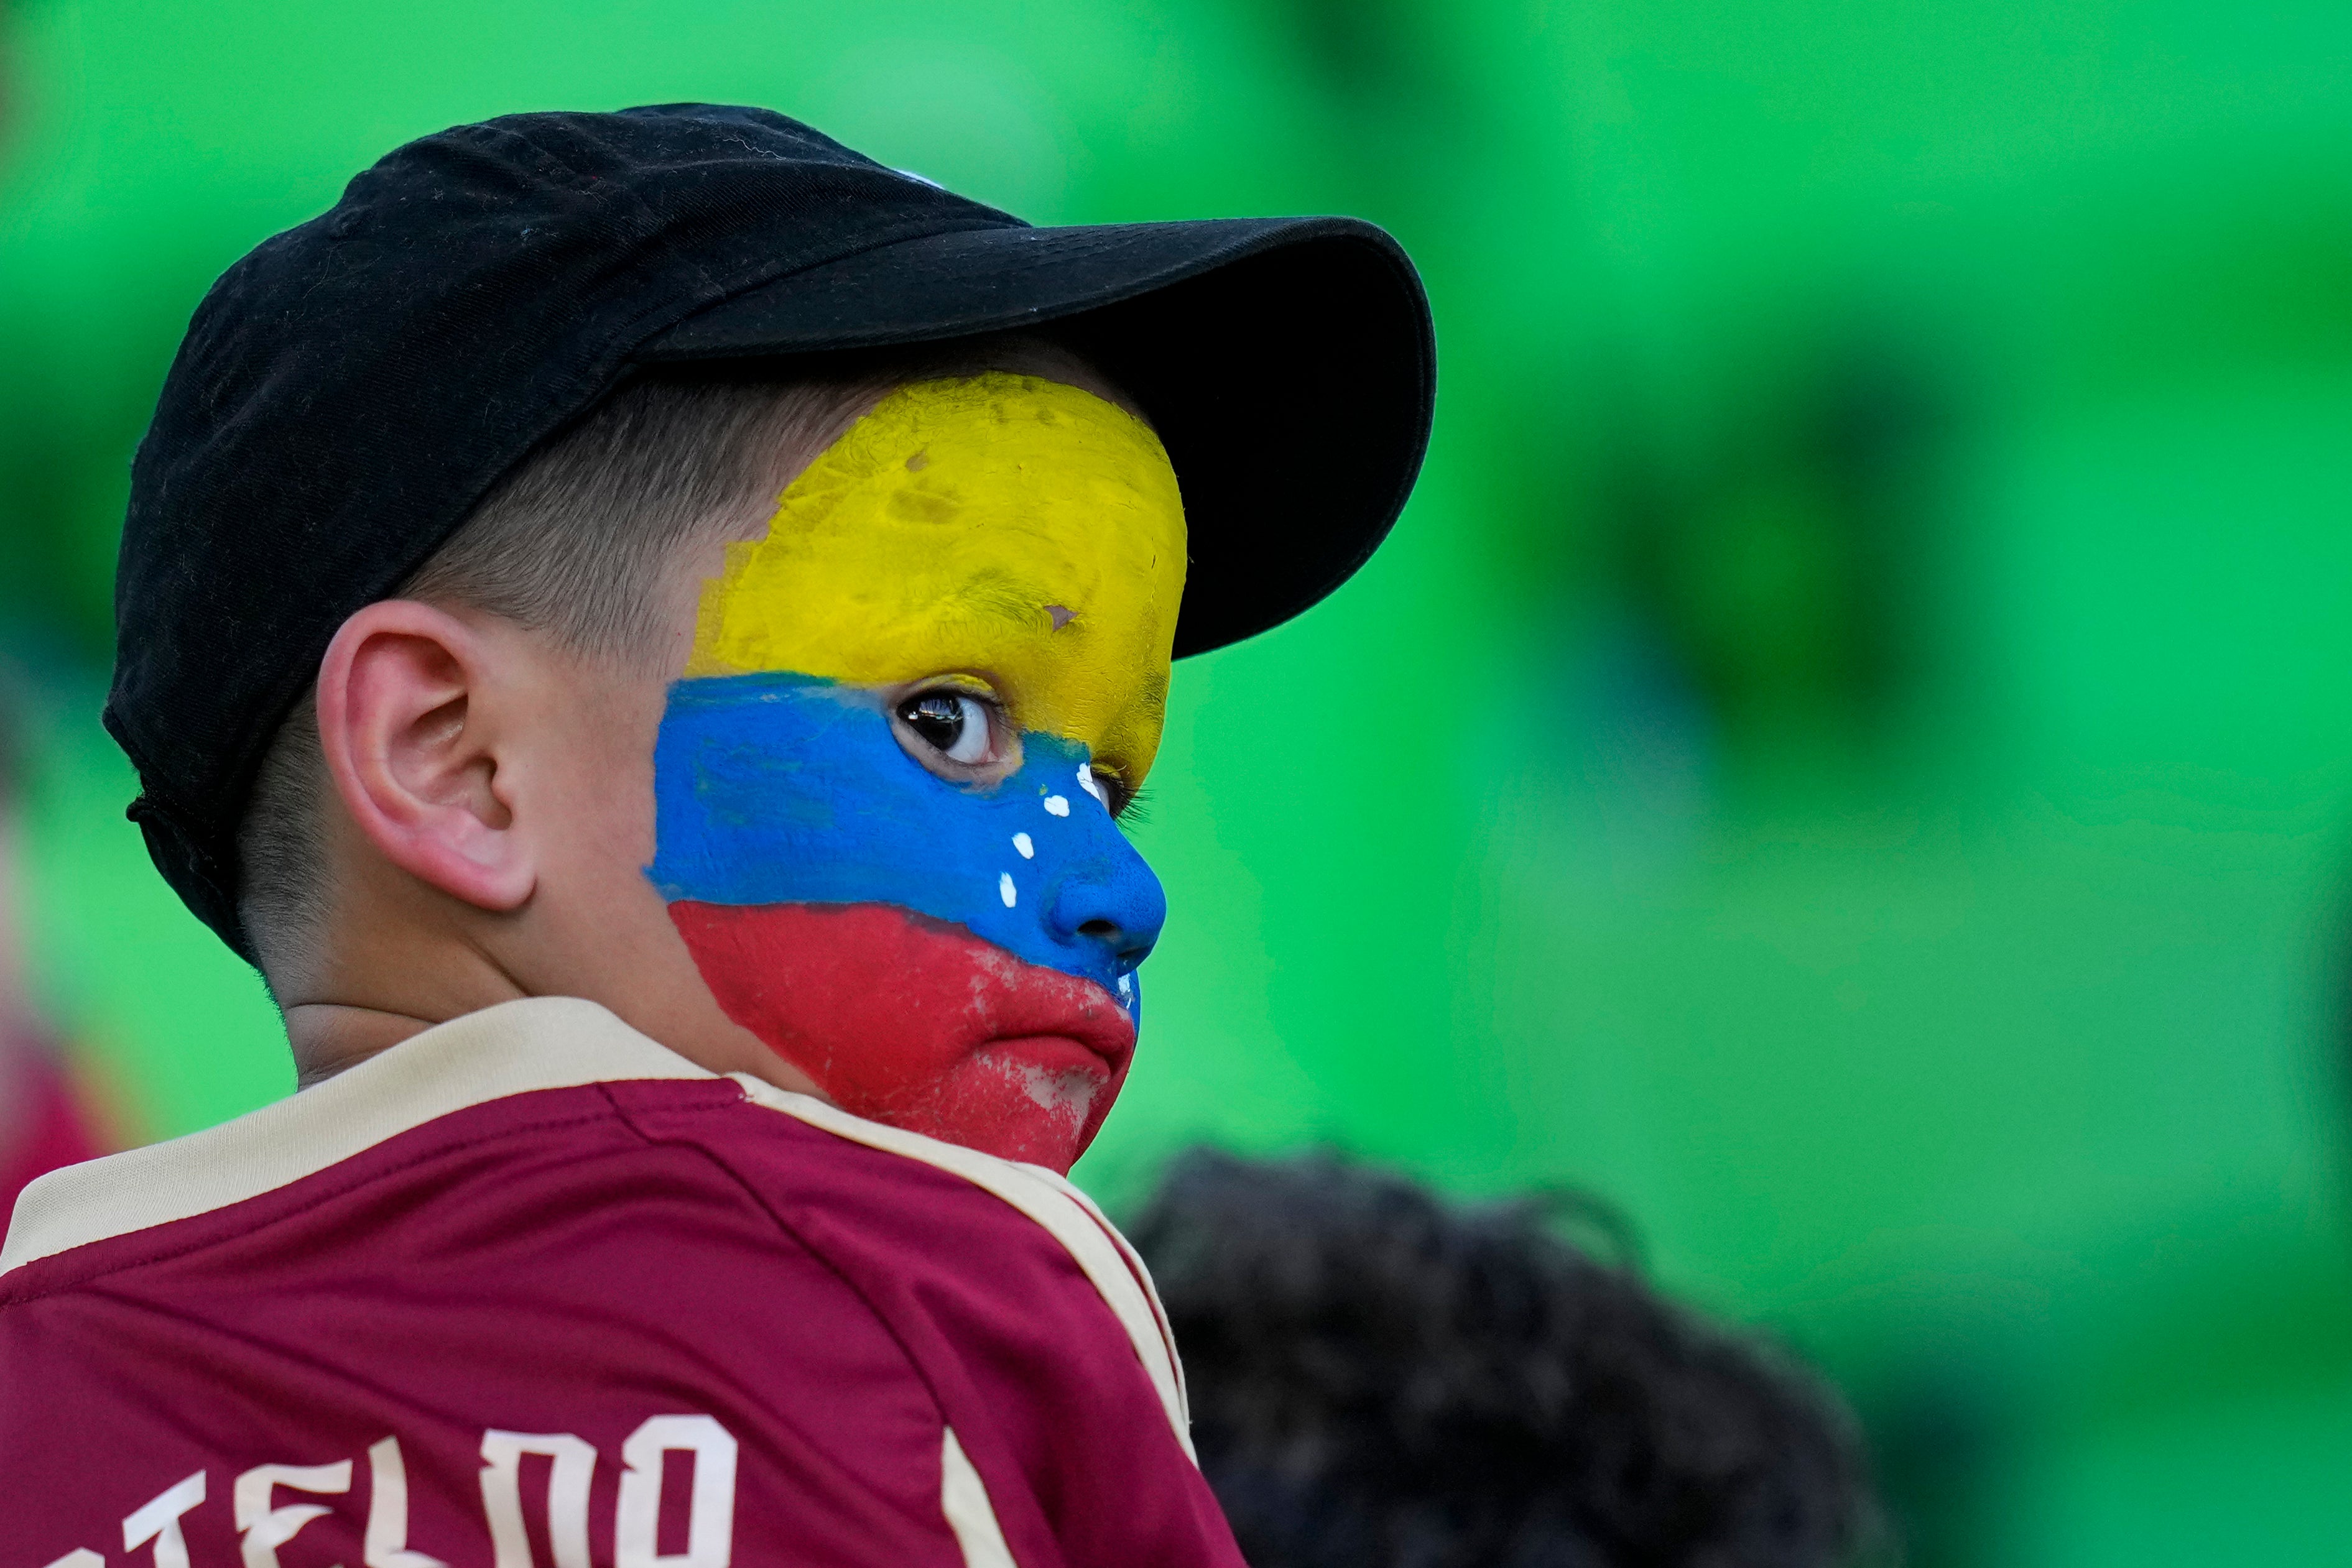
(884, 785)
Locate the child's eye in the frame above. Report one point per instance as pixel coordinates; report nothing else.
(953, 725)
(1112, 790)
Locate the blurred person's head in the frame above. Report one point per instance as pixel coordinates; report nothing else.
(1380, 1379)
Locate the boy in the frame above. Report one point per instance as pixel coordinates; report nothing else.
(698, 915)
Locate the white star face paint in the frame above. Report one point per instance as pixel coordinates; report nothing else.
(1057, 806)
(1026, 845)
(1005, 890)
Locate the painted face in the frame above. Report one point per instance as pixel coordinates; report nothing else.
(884, 785)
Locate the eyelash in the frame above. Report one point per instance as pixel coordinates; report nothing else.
(1128, 807)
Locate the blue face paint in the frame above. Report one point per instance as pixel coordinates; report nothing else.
(783, 790)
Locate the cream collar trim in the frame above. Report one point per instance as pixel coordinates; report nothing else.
(542, 1043)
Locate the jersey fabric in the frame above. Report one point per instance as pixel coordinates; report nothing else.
(530, 1290)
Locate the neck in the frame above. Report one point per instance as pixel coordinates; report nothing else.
(349, 1001)
(329, 1037)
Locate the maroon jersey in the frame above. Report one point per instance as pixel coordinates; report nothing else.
(530, 1290)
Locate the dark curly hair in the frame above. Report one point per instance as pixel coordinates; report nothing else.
(1383, 1380)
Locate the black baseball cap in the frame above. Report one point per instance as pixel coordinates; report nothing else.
(349, 390)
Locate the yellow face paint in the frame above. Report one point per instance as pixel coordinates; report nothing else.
(1003, 526)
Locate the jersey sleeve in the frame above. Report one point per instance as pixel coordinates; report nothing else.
(1016, 1330)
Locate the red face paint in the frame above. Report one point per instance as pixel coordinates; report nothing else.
(918, 1023)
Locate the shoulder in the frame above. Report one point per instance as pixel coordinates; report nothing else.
(550, 1126)
(546, 1140)
(1031, 1321)
(995, 1245)
(497, 1086)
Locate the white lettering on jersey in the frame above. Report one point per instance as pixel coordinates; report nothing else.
(264, 1525)
(266, 1528)
(710, 1512)
(387, 1522)
(158, 1520)
(567, 1497)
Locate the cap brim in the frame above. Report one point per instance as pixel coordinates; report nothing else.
(1288, 365)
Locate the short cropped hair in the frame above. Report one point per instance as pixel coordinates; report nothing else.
(576, 542)
(1383, 1379)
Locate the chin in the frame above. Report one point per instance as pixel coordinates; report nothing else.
(918, 1023)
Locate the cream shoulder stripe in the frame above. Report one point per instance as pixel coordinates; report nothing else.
(1043, 1198)
(543, 1042)
(1143, 1277)
(963, 1499)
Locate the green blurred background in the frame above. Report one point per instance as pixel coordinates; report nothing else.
(1848, 755)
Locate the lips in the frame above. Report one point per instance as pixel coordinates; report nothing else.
(919, 1023)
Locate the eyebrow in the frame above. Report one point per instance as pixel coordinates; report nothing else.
(1008, 600)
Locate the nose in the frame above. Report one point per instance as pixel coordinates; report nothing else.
(1111, 905)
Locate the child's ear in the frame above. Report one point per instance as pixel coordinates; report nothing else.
(406, 705)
